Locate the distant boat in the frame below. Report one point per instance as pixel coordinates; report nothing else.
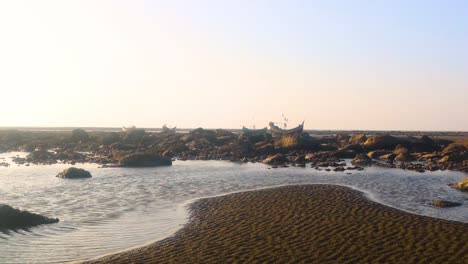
(167, 129)
(128, 129)
(256, 131)
(275, 130)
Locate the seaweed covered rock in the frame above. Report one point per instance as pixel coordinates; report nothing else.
(404, 157)
(144, 160)
(453, 148)
(12, 218)
(381, 142)
(378, 153)
(287, 141)
(357, 139)
(444, 204)
(275, 159)
(461, 185)
(74, 173)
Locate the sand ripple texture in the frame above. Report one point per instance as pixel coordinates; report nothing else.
(305, 224)
(120, 208)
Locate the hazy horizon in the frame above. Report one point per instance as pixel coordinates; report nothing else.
(365, 65)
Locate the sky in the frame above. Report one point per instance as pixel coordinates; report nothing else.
(364, 65)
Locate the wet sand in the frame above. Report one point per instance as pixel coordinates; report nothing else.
(304, 224)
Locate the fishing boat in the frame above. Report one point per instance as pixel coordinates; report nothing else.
(254, 131)
(129, 128)
(168, 130)
(276, 130)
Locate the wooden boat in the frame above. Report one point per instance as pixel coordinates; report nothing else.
(254, 131)
(128, 129)
(275, 130)
(167, 129)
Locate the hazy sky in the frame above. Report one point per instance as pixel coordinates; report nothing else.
(335, 64)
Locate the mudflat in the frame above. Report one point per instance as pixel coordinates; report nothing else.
(304, 224)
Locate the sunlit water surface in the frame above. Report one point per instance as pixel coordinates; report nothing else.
(120, 208)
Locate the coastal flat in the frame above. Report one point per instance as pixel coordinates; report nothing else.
(304, 224)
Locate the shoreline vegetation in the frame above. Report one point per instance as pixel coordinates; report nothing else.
(303, 224)
(439, 151)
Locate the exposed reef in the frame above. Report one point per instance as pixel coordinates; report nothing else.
(138, 147)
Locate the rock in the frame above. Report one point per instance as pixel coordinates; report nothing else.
(275, 159)
(144, 160)
(362, 160)
(424, 144)
(461, 185)
(12, 218)
(74, 173)
(404, 157)
(122, 146)
(299, 159)
(399, 149)
(340, 168)
(265, 149)
(454, 157)
(354, 147)
(287, 141)
(357, 139)
(134, 135)
(444, 204)
(381, 142)
(79, 135)
(345, 154)
(377, 153)
(390, 156)
(453, 148)
(167, 153)
(430, 156)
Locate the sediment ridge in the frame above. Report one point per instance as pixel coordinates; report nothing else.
(303, 224)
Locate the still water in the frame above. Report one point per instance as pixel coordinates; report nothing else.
(119, 208)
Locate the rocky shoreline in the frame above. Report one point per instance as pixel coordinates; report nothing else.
(325, 152)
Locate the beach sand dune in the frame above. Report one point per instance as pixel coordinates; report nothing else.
(304, 224)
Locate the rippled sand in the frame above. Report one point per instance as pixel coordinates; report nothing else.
(304, 224)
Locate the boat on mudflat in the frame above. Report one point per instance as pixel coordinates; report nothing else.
(166, 129)
(255, 131)
(275, 130)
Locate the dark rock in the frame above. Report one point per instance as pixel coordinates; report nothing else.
(424, 144)
(390, 156)
(12, 218)
(357, 139)
(399, 149)
(134, 135)
(122, 146)
(354, 147)
(340, 168)
(453, 148)
(264, 148)
(362, 160)
(299, 159)
(381, 142)
(345, 154)
(74, 173)
(377, 153)
(144, 160)
(79, 135)
(404, 157)
(275, 159)
(444, 204)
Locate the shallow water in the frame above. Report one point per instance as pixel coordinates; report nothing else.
(120, 207)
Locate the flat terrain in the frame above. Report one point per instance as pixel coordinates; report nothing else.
(304, 224)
